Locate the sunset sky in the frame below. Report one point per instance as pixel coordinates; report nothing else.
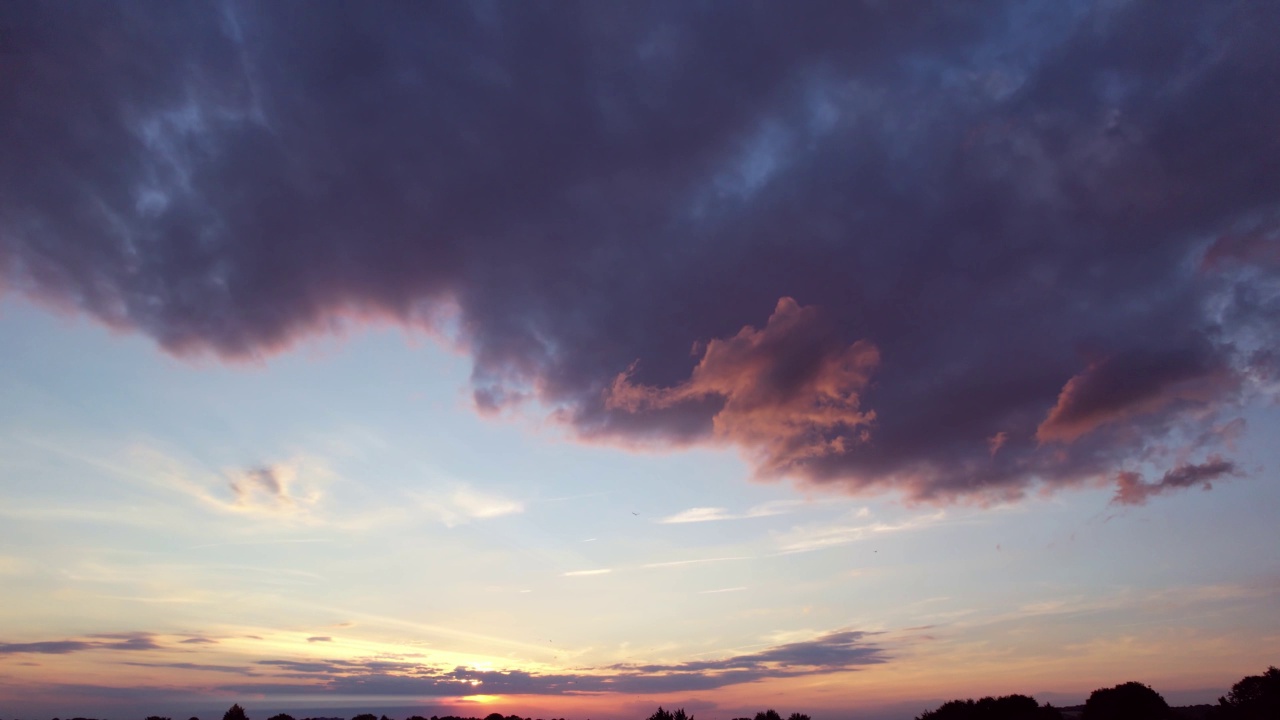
(569, 359)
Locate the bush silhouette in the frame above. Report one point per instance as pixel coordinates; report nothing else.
(235, 713)
(1008, 707)
(281, 716)
(1130, 701)
(769, 714)
(365, 716)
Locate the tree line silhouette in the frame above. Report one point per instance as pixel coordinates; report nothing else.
(1255, 697)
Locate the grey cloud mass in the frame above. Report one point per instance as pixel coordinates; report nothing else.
(890, 233)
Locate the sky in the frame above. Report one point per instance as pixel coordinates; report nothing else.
(569, 359)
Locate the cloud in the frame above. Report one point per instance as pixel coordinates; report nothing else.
(910, 233)
(787, 393)
(320, 638)
(586, 573)
(264, 486)
(695, 561)
(1131, 489)
(807, 538)
(198, 666)
(839, 651)
(711, 514)
(1136, 383)
(465, 504)
(291, 489)
(104, 641)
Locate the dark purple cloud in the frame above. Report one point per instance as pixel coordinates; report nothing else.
(1132, 490)
(237, 669)
(104, 641)
(834, 652)
(956, 249)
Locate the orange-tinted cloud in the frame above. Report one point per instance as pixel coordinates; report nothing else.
(787, 393)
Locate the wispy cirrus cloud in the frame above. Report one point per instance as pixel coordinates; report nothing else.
(292, 490)
(855, 528)
(465, 504)
(697, 561)
(713, 514)
(272, 489)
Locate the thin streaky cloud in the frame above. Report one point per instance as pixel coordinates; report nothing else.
(820, 537)
(464, 504)
(698, 561)
(585, 573)
(372, 619)
(722, 590)
(713, 514)
(559, 498)
(284, 541)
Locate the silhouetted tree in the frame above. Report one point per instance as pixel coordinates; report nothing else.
(799, 716)
(1008, 707)
(662, 714)
(769, 714)
(281, 716)
(365, 716)
(1255, 697)
(149, 717)
(1130, 701)
(235, 713)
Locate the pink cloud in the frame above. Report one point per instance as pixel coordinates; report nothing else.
(786, 392)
